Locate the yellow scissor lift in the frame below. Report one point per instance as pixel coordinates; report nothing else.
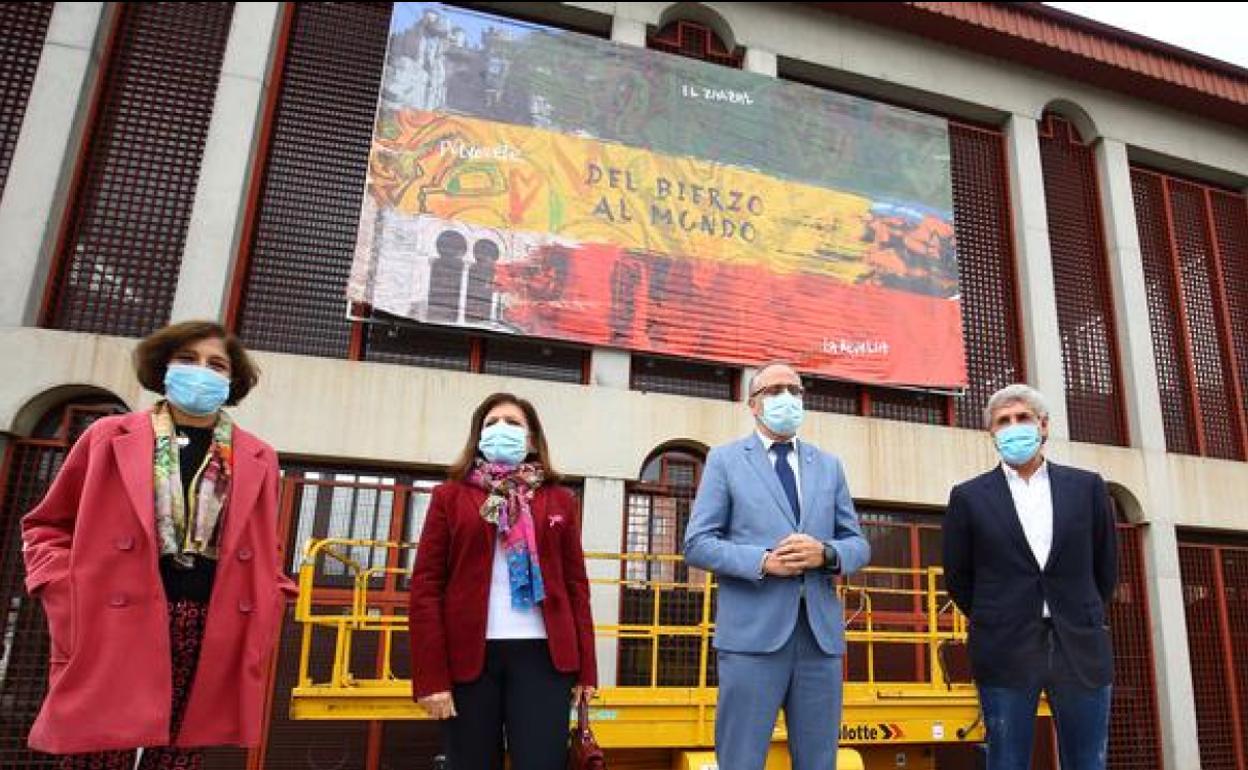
(886, 724)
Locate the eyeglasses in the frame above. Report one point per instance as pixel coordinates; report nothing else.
(777, 389)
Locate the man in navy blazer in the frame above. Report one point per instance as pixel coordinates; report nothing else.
(774, 521)
(1031, 559)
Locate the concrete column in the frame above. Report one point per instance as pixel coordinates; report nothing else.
(628, 31)
(1042, 341)
(601, 530)
(1176, 702)
(747, 374)
(610, 368)
(760, 61)
(44, 158)
(224, 176)
(1171, 664)
(1135, 336)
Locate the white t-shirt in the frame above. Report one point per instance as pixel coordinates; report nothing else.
(503, 620)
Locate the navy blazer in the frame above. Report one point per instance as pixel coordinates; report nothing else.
(992, 575)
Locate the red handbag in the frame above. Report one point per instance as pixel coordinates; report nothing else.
(583, 751)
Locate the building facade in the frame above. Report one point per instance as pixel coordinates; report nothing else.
(163, 162)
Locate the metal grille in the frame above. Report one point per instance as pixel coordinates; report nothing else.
(1211, 364)
(413, 345)
(1234, 562)
(909, 406)
(118, 258)
(1169, 340)
(293, 295)
(902, 540)
(1218, 720)
(294, 745)
(1196, 266)
(538, 360)
(1235, 588)
(1229, 217)
(683, 378)
(1134, 732)
(1230, 226)
(986, 270)
(832, 396)
(347, 505)
(1085, 313)
(408, 744)
(25, 25)
(323, 501)
(696, 41)
(23, 677)
(657, 513)
(458, 350)
(30, 467)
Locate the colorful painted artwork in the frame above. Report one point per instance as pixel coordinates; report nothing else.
(544, 183)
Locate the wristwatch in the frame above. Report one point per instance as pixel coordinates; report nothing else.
(831, 559)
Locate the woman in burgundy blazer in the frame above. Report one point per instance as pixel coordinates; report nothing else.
(502, 637)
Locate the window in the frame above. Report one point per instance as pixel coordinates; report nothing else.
(1085, 309)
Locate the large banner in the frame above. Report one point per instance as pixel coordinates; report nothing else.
(540, 182)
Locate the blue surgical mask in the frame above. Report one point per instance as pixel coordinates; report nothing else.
(504, 443)
(196, 390)
(783, 413)
(1018, 443)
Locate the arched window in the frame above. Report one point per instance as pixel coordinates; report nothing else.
(684, 37)
(658, 510)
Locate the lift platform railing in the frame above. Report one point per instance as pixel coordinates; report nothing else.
(886, 609)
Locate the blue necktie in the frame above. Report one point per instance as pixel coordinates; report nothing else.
(787, 479)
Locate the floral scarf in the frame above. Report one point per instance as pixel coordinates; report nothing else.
(510, 489)
(187, 527)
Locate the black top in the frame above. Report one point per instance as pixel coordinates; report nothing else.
(193, 583)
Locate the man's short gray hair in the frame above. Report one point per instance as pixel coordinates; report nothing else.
(753, 384)
(1015, 394)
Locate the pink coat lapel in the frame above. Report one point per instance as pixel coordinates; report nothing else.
(245, 487)
(135, 452)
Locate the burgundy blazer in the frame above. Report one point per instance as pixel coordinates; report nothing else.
(451, 587)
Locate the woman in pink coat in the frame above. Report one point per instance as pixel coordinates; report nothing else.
(156, 558)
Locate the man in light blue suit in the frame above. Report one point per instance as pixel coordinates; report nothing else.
(774, 521)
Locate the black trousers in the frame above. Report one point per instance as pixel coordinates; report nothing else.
(520, 704)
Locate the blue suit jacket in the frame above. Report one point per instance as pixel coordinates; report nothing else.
(740, 512)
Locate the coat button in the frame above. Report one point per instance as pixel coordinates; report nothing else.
(245, 605)
(244, 554)
(124, 543)
(118, 600)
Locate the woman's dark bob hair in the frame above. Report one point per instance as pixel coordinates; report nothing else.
(151, 357)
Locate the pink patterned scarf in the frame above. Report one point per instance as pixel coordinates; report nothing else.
(510, 490)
